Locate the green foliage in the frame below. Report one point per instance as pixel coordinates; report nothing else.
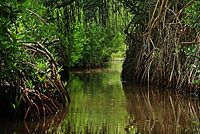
(82, 40)
(21, 68)
(92, 33)
(78, 44)
(192, 15)
(192, 54)
(9, 50)
(32, 22)
(94, 45)
(99, 46)
(191, 18)
(87, 43)
(21, 22)
(118, 42)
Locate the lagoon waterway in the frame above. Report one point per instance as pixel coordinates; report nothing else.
(101, 105)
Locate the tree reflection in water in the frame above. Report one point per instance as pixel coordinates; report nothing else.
(100, 106)
(162, 112)
(50, 124)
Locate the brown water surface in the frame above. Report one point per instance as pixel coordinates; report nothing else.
(100, 105)
(161, 112)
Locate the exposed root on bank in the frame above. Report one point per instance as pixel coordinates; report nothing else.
(40, 93)
(159, 53)
(36, 101)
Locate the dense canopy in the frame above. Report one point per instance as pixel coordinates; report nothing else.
(42, 40)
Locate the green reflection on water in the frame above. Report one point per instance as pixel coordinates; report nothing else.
(100, 106)
(98, 103)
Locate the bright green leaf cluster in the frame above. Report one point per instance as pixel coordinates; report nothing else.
(192, 15)
(93, 45)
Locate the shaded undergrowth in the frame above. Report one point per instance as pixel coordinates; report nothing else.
(162, 49)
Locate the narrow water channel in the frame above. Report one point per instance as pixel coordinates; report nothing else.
(101, 105)
(98, 102)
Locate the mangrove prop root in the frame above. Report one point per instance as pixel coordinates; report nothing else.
(35, 102)
(156, 54)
